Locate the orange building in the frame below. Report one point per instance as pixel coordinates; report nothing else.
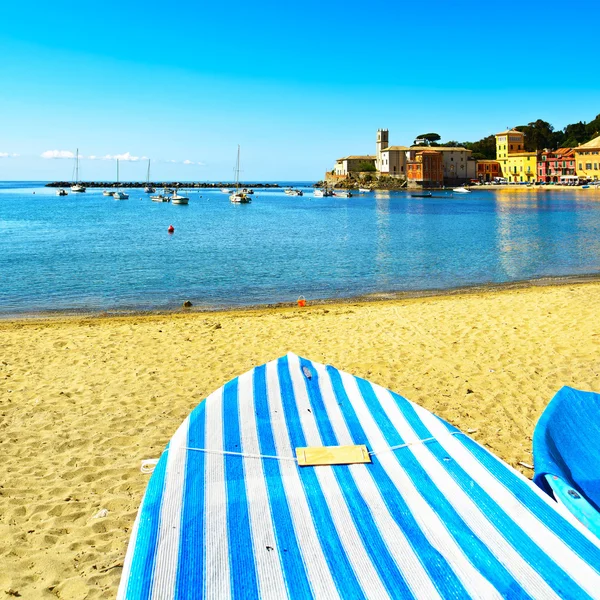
(488, 170)
(426, 169)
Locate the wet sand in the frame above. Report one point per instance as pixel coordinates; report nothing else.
(84, 399)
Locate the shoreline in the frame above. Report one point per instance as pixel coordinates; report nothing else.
(370, 298)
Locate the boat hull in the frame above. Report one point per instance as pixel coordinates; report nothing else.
(396, 503)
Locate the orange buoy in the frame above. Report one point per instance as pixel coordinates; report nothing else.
(171, 229)
(302, 301)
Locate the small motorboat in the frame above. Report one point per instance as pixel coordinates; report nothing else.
(226, 191)
(295, 193)
(62, 192)
(177, 199)
(461, 190)
(248, 191)
(160, 198)
(108, 193)
(120, 195)
(149, 189)
(343, 194)
(364, 190)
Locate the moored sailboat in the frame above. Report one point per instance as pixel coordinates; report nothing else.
(149, 189)
(77, 187)
(239, 197)
(119, 194)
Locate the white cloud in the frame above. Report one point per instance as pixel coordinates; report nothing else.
(57, 154)
(127, 156)
(188, 162)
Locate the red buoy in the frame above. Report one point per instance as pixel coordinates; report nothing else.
(171, 229)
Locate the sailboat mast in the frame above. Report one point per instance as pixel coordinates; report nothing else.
(237, 171)
(77, 166)
(148, 175)
(117, 172)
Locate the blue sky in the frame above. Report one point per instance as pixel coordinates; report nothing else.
(296, 84)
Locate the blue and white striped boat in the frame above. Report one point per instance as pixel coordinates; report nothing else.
(229, 513)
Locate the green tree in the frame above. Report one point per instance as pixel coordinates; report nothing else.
(429, 137)
(484, 149)
(538, 135)
(365, 165)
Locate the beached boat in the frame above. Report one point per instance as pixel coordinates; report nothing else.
(239, 197)
(119, 194)
(461, 190)
(148, 189)
(77, 187)
(62, 192)
(296, 480)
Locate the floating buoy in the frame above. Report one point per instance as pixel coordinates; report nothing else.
(171, 229)
(302, 301)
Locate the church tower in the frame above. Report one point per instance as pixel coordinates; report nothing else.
(382, 143)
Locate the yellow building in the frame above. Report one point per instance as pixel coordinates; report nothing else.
(516, 164)
(587, 160)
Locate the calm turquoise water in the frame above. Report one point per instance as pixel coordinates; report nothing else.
(90, 252)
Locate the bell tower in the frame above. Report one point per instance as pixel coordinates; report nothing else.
(382, 143)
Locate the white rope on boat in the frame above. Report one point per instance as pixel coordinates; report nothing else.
(149, 464)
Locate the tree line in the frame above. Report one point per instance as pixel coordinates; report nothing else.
(539, 135)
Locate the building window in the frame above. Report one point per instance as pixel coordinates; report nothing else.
(588, 166)
(580, 166)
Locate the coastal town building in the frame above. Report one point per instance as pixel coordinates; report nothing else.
(391, 161)
(488, 170)
(516, 164)
(556, 166)
(587, 160)
(425, 168)
(353, 164)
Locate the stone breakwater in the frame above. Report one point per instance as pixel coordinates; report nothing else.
(157, 184)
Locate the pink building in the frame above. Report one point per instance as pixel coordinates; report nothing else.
(556, 164)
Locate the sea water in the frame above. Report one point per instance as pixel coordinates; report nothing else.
(90, 252)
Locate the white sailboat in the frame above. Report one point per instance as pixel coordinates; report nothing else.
(239, 197)
(77, 187)
(119, 194)
(148, 189)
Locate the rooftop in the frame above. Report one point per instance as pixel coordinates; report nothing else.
(356, 157)
(591, 145)
(395, 148)
(441, 148)
(510, 131)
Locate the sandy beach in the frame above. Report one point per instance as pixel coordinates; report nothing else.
(84, 400)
